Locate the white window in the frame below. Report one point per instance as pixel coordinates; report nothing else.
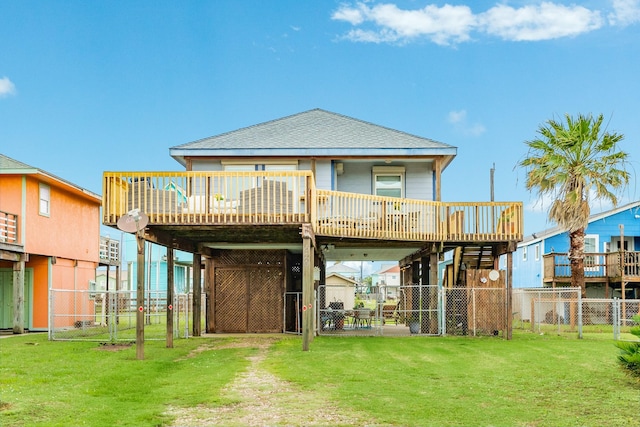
(524, 253)
(388, 181)
(537, 252)
(45, 200)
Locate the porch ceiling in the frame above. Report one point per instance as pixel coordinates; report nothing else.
(278, 237)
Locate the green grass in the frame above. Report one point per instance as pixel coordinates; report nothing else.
(532, 380)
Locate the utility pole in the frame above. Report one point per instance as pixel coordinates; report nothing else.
(491, 175)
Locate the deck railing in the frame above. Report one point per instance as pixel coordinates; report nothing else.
(208, 197)
(289, 197)
(358, 215)
(596, 265)
(8, 228)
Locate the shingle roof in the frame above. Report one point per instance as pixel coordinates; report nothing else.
(315, 128)
(549, 232)
(9, 163)
(9, 166)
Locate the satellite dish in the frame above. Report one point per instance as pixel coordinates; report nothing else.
(133, 221)
(494, 275)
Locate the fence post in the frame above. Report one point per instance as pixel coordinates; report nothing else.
(51, 314)
(579, 313)
(473, 309)
(443, 312)
(616, 319)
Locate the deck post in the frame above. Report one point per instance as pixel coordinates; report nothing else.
(307, 289)
(509, 295)
(140, 299)
(197, 294)
(210, 292)
(170, 284)
(433, 291)
(18, 297)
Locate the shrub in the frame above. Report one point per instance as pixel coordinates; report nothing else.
(630, 351)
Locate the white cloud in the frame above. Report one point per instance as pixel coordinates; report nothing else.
(445, 25)
(459, 120)
(352, 15)
(625, 12)
(6, 87)
(457, 116)
(442, 25)
(543, 22)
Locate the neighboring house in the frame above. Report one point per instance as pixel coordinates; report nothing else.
(340, 289)
(156, 267)
(268, 205)
(542, 260)
(49, 239)
(344, 270)
(387, 279)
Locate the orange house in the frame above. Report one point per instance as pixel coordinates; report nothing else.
(49, 239)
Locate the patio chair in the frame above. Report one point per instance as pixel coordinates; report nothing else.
(362, 318)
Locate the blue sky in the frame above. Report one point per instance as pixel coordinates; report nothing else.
(92, 86)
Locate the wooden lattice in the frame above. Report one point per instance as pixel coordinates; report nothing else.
(249, 287)
(249, 257)
(265, 300)
(231, 300)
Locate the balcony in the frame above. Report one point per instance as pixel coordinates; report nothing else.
(9, 228)
(109, 251)
(236, 199)
(598, 267)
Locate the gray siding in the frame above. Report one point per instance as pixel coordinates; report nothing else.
(358, 178)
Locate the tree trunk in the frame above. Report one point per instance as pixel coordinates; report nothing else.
(576, 257)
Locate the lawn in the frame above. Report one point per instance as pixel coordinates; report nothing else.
(533, 380)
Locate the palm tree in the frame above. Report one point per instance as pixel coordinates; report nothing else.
(575, 161)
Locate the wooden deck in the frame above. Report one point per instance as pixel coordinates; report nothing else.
(599, 267)
(233, 200)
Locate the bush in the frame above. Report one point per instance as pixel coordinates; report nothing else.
(630, 351)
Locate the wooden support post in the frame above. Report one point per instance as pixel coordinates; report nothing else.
(197, 294)
(170, 302)
(18, 297)
(307, 291)
(433, 293)
(209, 290)
(140, 299)
(509, 309)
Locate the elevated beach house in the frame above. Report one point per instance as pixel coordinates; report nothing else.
(612, 256)
(49, 239)
(264, 207)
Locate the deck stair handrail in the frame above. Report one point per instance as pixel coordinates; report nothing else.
(290, 197)
(8, 228)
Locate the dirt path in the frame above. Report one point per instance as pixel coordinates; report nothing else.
(265, 400)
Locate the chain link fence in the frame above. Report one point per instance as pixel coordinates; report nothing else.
(417, 310)
(85, 315)
(564, 311)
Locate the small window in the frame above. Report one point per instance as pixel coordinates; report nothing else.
(45, 200)
(537, 251)
(388, 181)
(524, 253)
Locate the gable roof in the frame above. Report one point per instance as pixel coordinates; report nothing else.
(344, 278)
(545, 234)
(389, 269)
(314, 133)
(9, 166)
(341, 268)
